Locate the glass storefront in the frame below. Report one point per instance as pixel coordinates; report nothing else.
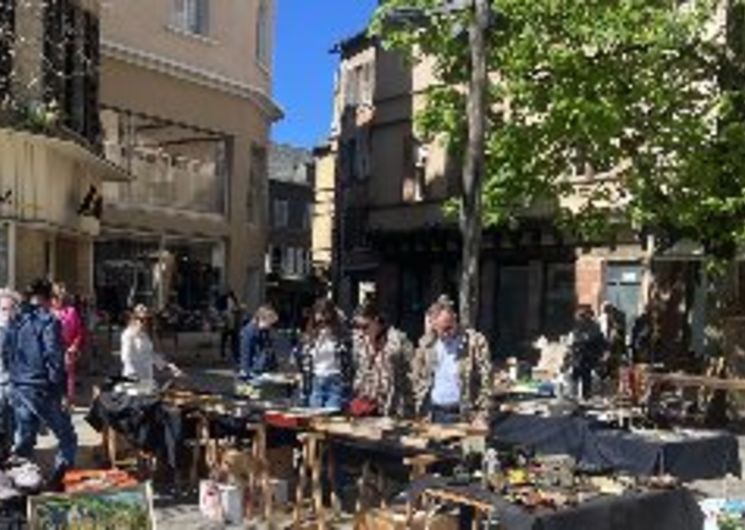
(169, 274)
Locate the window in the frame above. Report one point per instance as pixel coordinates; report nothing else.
(7, 30)
(359, 85)
(300, 261)
(263, 35)
(256, 196)
(276, 259)
(281, 213)
(192, 16)
(354, 80)
(71, 65)
(268, 260)
(307, 216)
(288, 260)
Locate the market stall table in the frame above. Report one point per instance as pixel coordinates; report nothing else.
(388, 443)
(148, 423)
(688, 455)
(696, 381)
(669, 509)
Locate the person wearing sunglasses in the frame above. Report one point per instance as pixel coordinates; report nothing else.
(325, 358)
(139, 359)
(382, 357)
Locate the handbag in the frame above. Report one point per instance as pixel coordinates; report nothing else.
(362, 407)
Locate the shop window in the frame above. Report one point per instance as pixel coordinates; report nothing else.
(192, 16)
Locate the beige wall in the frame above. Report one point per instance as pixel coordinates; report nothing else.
(157, 94)
(229, 50)
(30, 255)
(48, 179)
(70, 258)
(323, 210)
(397, 96)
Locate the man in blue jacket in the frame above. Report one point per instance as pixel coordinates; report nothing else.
(37, 375)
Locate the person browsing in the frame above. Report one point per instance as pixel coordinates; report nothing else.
(139, 359)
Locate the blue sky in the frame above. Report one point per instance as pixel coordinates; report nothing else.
(304, 70)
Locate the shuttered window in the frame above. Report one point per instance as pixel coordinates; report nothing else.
(192, 16)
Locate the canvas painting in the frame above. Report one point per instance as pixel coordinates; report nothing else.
(123, 509)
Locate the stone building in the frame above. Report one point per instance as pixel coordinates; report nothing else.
(186, 94)
(291, 285)
(391, 238)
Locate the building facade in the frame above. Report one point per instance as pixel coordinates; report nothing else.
(186, 93)
(291, 285)
(51, 163)
(392, 240)
(324, 213)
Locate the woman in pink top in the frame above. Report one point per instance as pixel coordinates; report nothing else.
(72, 334)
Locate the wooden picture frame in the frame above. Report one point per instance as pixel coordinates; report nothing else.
(122, 508)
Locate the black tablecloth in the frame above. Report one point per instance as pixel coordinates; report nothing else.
(693, 458)
(595, 446)
(145, 421)
(655, 510)
(571, 435)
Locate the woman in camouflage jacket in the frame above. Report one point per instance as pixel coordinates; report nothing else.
(382, 356)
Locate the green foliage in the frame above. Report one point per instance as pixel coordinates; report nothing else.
(629, 95)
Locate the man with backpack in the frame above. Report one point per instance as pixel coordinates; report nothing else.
(37, 376)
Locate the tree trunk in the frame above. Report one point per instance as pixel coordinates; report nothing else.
(473, 167)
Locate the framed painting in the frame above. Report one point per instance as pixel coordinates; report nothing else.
(124, 509)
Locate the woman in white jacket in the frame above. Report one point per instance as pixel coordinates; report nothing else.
(139, 359)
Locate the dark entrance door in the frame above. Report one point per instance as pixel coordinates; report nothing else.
(624, 288)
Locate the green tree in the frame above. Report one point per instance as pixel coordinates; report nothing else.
(639, 101)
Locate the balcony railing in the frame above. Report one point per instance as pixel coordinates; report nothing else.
(174, 166)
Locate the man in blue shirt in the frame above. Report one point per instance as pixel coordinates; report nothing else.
(37, 376)
(451, 370)
(446, 386)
